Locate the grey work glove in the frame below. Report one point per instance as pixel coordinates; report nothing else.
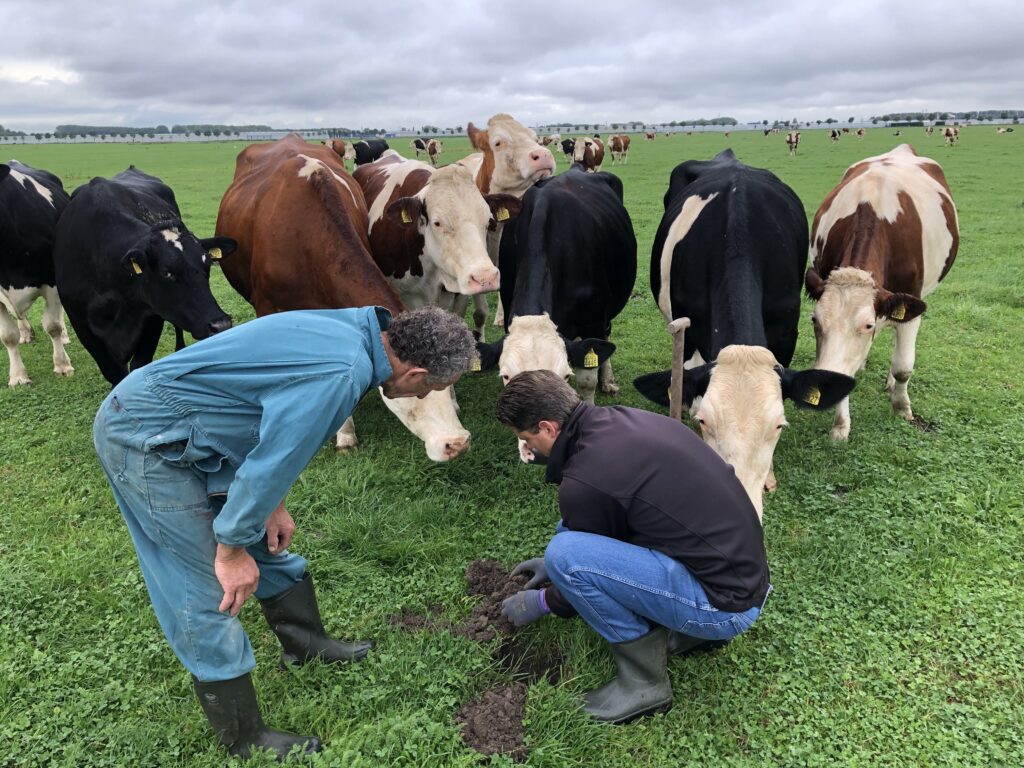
(537, 568)
(524, 607)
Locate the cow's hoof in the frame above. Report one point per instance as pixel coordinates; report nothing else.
(903, 411)
(27, 338)
(63, 370)
(610, 389)
(840, 433)
(346, 447)
(771, 485)
(18, 381)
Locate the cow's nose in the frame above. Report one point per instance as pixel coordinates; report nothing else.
(489, 279)
(456, 447)
(220, 325)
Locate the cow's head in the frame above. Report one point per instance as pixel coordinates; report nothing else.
(434, 419)
(579, 151)
(511, 151)
(741, 413)
(850, 311)
(171, 269)
(453, 219)
(435, 147)
(533, 343)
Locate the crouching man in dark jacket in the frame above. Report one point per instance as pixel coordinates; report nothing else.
(659, 548)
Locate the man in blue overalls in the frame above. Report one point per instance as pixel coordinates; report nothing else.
(201, 448)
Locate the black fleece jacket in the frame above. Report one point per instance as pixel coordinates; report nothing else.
(648, 480)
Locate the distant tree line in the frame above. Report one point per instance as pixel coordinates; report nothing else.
(8, 132)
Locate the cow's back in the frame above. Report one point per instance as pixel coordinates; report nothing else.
(730, 254)
(571, 252)
(301, 224)
(31, 202)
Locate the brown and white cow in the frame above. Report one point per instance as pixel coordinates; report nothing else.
(301, 224)
(929, 129)
(860, 133)
(793, 141)
(649, 135)
(428, 228)
(508, 161)
(619, 147)
(343, 149)
(589, 152)
(951, 135)
(432, 147)
(882, 240)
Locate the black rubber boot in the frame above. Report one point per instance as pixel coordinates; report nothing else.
(642, 686)
(295, 619)
(683, 645)
(231, 708)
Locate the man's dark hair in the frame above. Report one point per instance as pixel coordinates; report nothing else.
(433, 339)
(534, 396)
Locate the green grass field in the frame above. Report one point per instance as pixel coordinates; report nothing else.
(894, 635)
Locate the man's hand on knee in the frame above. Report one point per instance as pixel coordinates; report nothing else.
(238, 575)
(525, 607)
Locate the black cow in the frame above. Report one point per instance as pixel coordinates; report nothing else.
(125, 263)
(730, 254)
(369, 150)
(568, 147)
(568, 264)
(31, 202)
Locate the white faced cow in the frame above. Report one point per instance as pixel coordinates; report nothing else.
(882, 240)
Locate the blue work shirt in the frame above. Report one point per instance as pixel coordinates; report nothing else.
(251, 406)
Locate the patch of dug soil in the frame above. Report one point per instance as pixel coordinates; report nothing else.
(531, 663)
(923, 424)
(489, 580)
(415, 622)
(493, 721)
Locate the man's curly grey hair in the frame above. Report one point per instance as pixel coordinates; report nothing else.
(434, 339)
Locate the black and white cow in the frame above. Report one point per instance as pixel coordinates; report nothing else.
(568, 264)
(729, 254)
(369, 150)
(125, 263)
(568, 147)
(31, 202)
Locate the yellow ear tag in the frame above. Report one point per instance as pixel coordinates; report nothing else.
(812, 396)
(406, 219)
(899, 313)
(502, 214)
(135, 266)
(216, 254)
(590, 359)
(475, 365)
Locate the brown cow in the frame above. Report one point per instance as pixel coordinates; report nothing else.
(619, 147)
(343, 149)
(589, 152)
(882, 240)
(929, 130)
(793, 141)
(300, 221)
(649, 135)
(509, 160)
(951, 135)
(860, 133)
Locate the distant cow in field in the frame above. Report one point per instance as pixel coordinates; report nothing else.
(369, 150)
(343, 149)
(125, 263)
(882, 240)
(649, 135)
(568, 146)
(301, 223)
(834, 135)
(860, 133)
(951, 135)
(897, 132)
(568, 265)
(846, 130)
(793, 141)
(619, 147)
(729, 255)
(929, 130)
(432, 148)
(31, 202)
(589, 152)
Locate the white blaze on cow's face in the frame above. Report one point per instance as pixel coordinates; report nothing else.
(519, 159)
(741, 415)
(173, 236)
(844, 321)
(533, 344)
(455, 231)
(434, 419)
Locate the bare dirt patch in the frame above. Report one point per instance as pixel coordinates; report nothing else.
(923, 424)
(492, 723)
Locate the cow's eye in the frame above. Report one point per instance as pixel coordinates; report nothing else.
(504, 377)
(167, 275)
(437, 224)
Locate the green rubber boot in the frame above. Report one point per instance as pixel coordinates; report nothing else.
(641, 687)
(231, 708)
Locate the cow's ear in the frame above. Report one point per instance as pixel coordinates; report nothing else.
(815, 389)
(478, 138)
(815, 285)
(695, 382)
(4, 171)
(219, 247)
(588, 353)
(503, 208)
(490, 354)
(898, 307)
(655, 386)
(133, 261)
(406, 210)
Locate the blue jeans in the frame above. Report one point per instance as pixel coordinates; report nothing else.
(170, 518)
(621, 590)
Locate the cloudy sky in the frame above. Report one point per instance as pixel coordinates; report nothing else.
(305, 63)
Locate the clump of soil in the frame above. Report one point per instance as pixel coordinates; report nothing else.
(923, 424)
(531, 663)
(489, 580)
(493, 721)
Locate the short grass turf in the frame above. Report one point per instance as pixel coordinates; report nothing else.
(893, 637)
